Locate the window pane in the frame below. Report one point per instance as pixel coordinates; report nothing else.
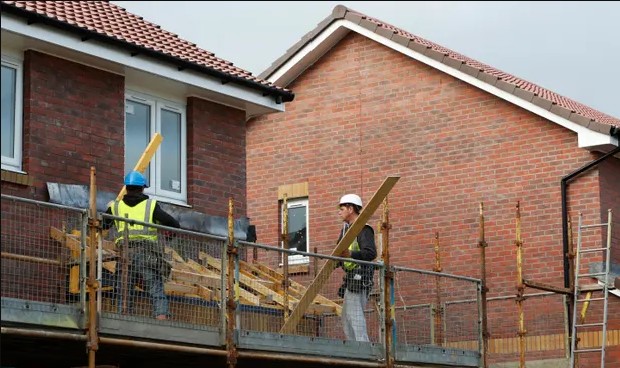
(171, 151)
(8, 111)
(137, 133)
(297, 237)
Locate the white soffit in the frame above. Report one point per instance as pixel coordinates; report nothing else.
(315, 48)
(100, 50)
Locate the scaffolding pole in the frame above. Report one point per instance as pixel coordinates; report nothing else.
(285, 256)
(231, 302)
(438, 308)
(520, 288)
(482, 244)
(388, 283)
(92, 343)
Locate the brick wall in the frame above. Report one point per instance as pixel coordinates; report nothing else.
(363, 112)
(73, 119)
(215, 157)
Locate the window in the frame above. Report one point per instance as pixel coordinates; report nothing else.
(166, 174)
(297, 234)
(11, 114)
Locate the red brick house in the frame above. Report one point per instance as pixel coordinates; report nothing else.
(373, 100)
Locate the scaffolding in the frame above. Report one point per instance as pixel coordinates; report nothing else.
(237, 306)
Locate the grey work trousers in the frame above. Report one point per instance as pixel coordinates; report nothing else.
(353, 319)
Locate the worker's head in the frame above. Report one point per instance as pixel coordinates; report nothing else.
(135, 181)
(350, 206)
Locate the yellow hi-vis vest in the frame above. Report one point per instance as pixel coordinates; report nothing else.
(143, 211)
(350, 266)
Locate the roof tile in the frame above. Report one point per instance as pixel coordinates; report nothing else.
(488, 78)
(505, 86)
(524, 94)
(354, 18)
(469, 69)
(561, 111)
(542, 102)
(525, 90)
(456, 64)
(387, 33)
(108, 19)
(417, 47)
(371, 26)
(400, 39)
(434, 54)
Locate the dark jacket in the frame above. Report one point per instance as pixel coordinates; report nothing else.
(361, 278)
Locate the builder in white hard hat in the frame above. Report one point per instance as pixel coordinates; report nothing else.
(358, 279)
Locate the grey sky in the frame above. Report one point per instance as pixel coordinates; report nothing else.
(571, 48)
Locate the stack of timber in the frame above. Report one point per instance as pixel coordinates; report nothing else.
(259, 285)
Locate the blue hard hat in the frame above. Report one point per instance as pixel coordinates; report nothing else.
(135, 178)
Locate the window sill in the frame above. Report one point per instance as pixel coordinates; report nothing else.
(17, 177)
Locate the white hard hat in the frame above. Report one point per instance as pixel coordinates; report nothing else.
(351, 198)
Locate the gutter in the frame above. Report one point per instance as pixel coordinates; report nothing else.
(614, 131)
(279, 94)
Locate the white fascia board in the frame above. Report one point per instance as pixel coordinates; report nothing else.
(150, 65)
(283, 74)
(586, 138)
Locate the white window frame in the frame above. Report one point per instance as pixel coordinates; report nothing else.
(295, 259)
(15, 163)
(157, 105)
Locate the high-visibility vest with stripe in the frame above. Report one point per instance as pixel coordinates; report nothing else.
(350, 266)
(143, 211)
(355, 246)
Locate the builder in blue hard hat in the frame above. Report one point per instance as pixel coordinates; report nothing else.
(358, 279)
(145, 254)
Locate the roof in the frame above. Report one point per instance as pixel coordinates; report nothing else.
(549, 100)
(110, 23)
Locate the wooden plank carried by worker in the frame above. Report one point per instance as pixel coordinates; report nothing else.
(320, 279)
(144, 160)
